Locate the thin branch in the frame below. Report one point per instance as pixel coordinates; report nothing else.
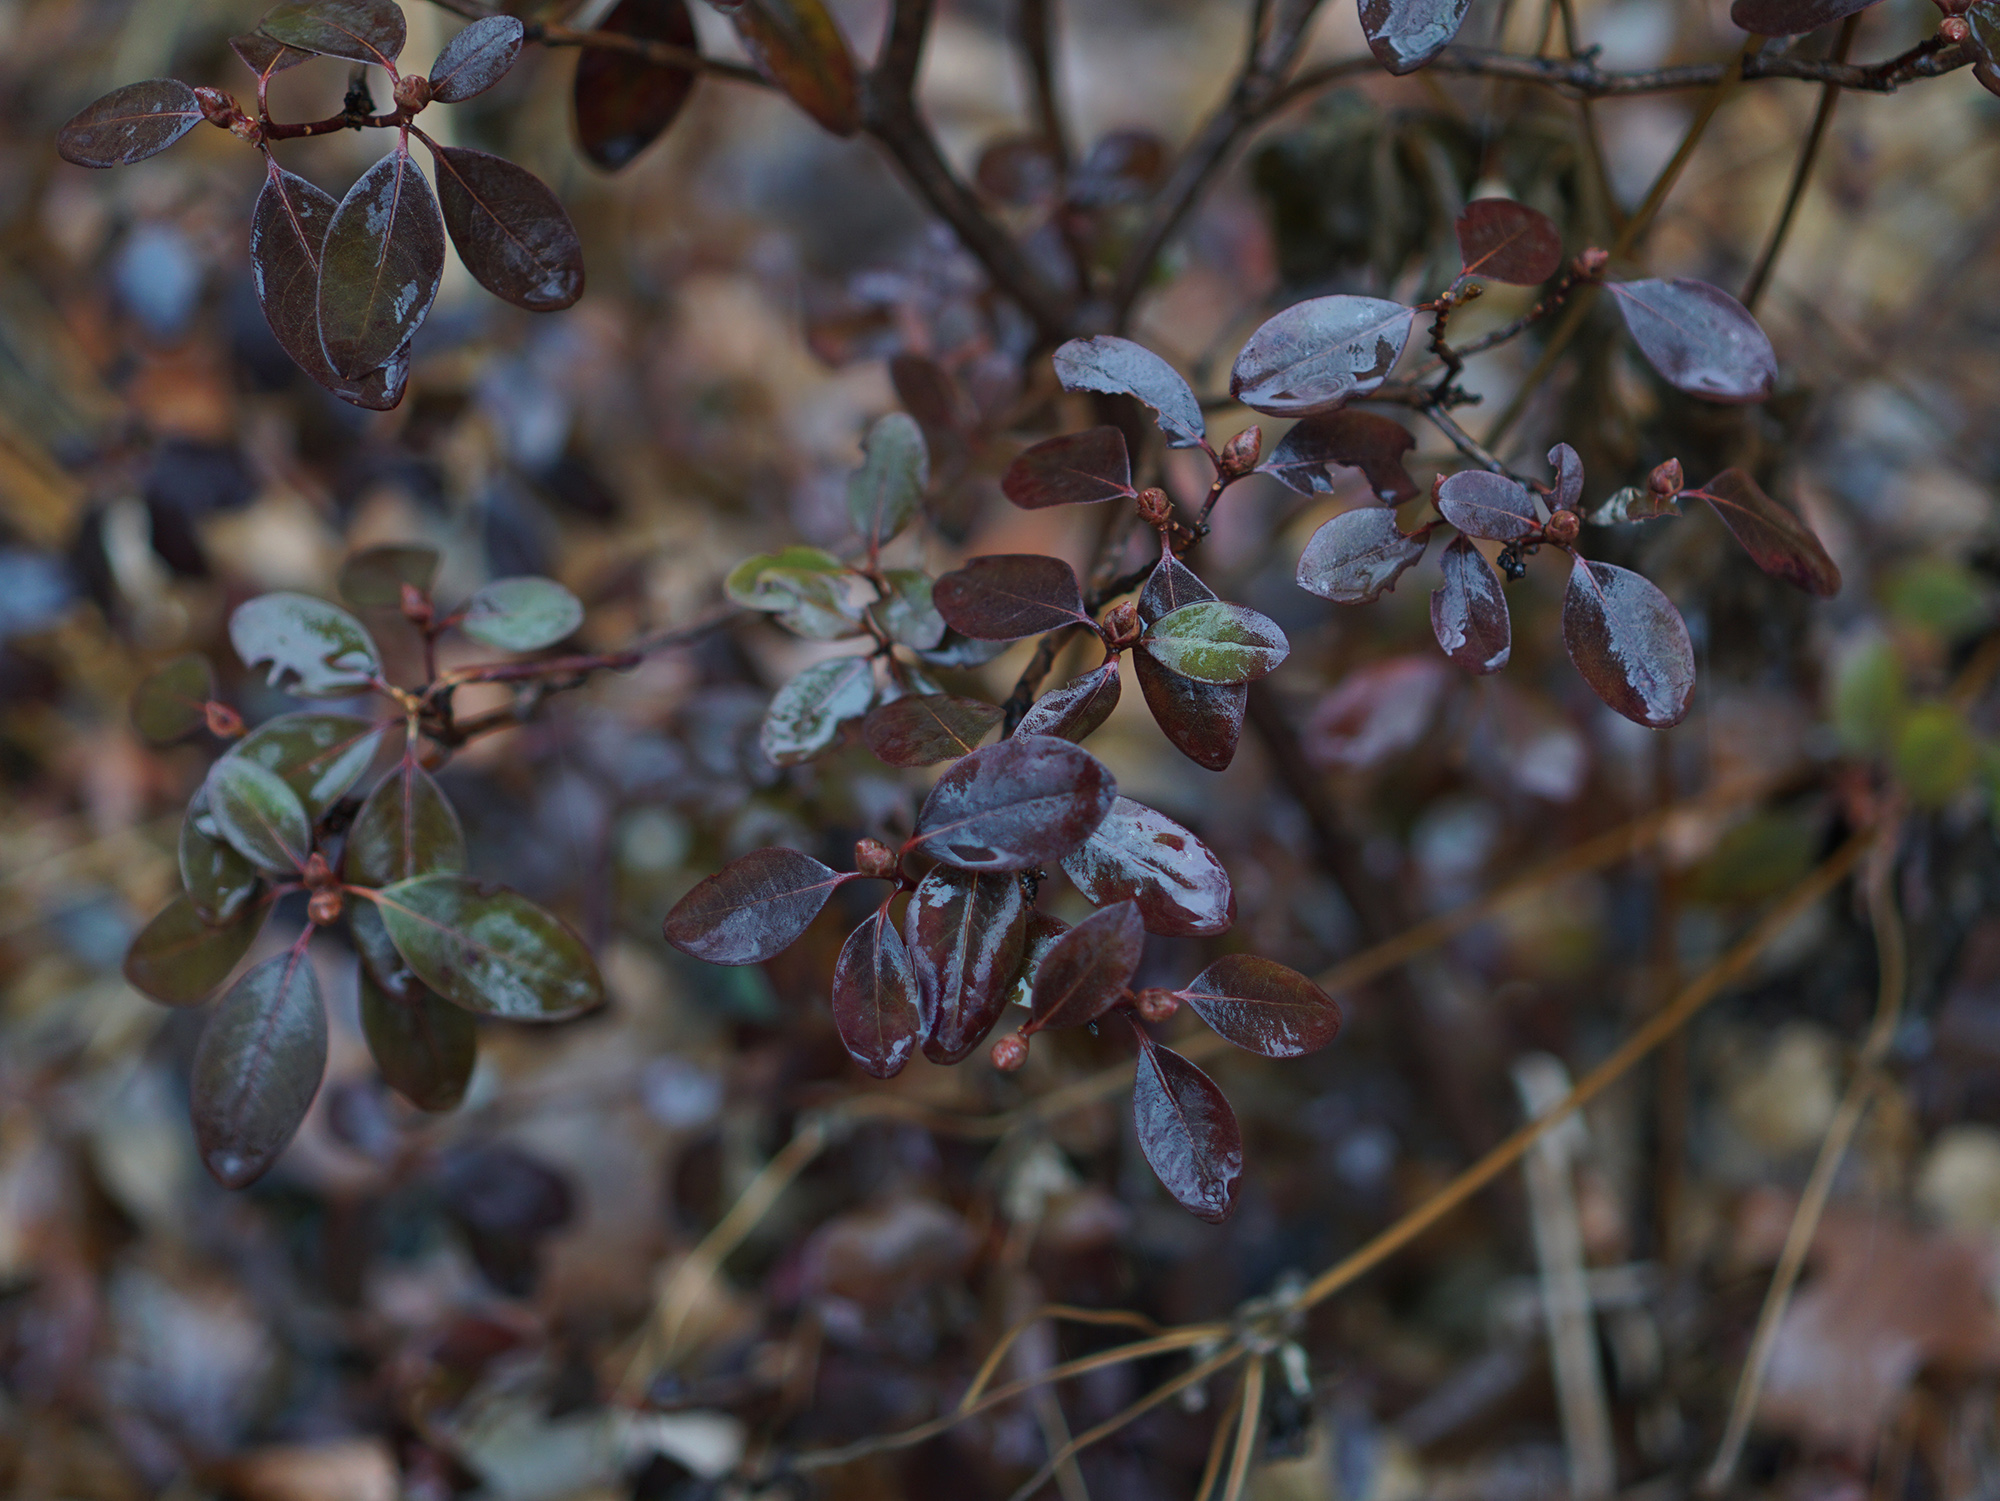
(1032, 35)
(1822, 117)
(666, 54)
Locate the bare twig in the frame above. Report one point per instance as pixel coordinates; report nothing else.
(1809, 153)
(1248, 1417)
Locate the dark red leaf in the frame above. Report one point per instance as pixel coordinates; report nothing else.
(1087, 969)
(1358, 556)
(1508, 241)
(379, 270)
(1075, 710)
(511, 233)
(1469, 612)
(1042, 933)
(257, 1068)
(798, 45)
(1320, 354)
(966, 933)
(1204, 721)
(425, 1046)
(1354, 440)
(1483, 504)
(266, 56)
(1122, 368)
(178, 959)
(1187, 1131)
(926, 728)
(929, 394)
(753, 907)
(1776, 539)
(1568, 493)
(476, 59)
(1074, 469)
(1027, 801)
(1144, 856)
(1261, 1005)
(287, 232)
(363, 31)
(1406, 34)
(1629, 642)
(875, 997)
(130, 124)
(1699, 337)
(1170, 585)
(1377, 712)
(1005, 596)
(1791, 17)
(623, 103)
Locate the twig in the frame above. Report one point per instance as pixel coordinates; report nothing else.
(666, 54)
(1823, 116)
(1218, 1446)
(1031, 34)
(1015, 709)
(1247, 1421)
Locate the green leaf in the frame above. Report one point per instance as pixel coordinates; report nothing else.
(218, 879)
(489, 949)
(257, 812)
(884, 493)
(407, 827)
(178, 959)
(324, 648)
(807, 712)
(257, 1068)
(319, 756)
(1938, 595)
(425, 1046)
(1214, 642)
(1869, 698)
(521, 614)
(1936, 754)
(811, 592)
(373, 579)
(1765, 854)
(906, 611)
(747, 586)
(171, 702)
(377, 949)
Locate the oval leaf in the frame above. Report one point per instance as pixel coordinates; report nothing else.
(1791, 17)
(1007, 596)
(799, 46)
(407, 827)
(807, 713)
(257, 812)
(510, 231)
(1482, 504)
(1469, 612)
(1121, 368)
(425, 1046)
(130, 124)
(266, 56)
(379, 270)
(1074, 469)
(1568, 493)
(1214, 642)
(1776, 539)
(382, 388)
(623, 103)
(1143, 856)
(1353, 440)
(287, 235)
(966, 934)
(875, 997)
(320, 756)
(178, 959)
(489, 949)
(1086, 970)
(1204, 721)
(171, 701)
(364, 31)
(1187, 1131)
(1074, 711)
(1358, 556)
(1699, 337)
(926, 728)
(1629, 642)
(218, 880)
(521, 614)
(373, 579)
(257, 1068)
(476, 59)
(1406, 34)
(1027, 801)
(1042, 933)
(1319, 354)
(326, 651)
(1261, 1005)
(884, 493)
(1508, 241)
(753, 907)
(906, 611)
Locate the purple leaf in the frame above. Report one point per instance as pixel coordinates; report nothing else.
(265, 56)
(363, 31)
(1027, 801)
(1699, 337)
(1319, 354)
(1204, 721)
(1187, 1131)
(1776, 539)
(1354, 440)
(287, 232)
(1377, 712)
(1143, 856)
(1074, 469)
(510, 232)
(319, 756)
(623, 103)
(1170, 585)
(1508, 241)
(1122, 368)
(257, 1068)
(1087, 969)
(407, 827)
(1042, 933)
(1358, 556)
(1791, 17)
(875, 997)
(926, 728)
(1075, 710)
(753, 907)
(798, 45)
(1629, 642)
(259, 814)
(1469, 612)
(967, 932)
(1262, 1006)
(380, 266)
(130, 124)
(1482, 504)
(1631, 504)
(218, 879)
(1406, 34)
(1214, 642)
(1006, 596)
(424, 1046)
(476, 59)
(1568, 492)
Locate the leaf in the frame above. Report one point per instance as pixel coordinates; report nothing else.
(320, 756)
(1262, 1006)
(1698, 337)
(1406, 34)
(1204, 721)
(1025, 802)
(476, 59)
(380, 266)
(1508, 241)
(287, 235)
(1776, 539)
(425, 1047)
(171, 701)
(1319, 354)
(407, 827)
(178, 959)
(377, 951)
(1143, 856)
(130, 124)
(525, 613)
(489, 949)
(381, 389)
(1187, 1132)
(256, 1069)
(1077, 709)
(1629, 642)
(1791, 17)
(218, 880)
(1003, 597)
(1358, 556)
(1354, 440)
(906, 611)
(926, 728)
(806, 714)
(1121, 368)
(1041, 935)
(373, 579)
(966, 933)
(1074, 469)
(1483, 504)
(1869, 695)
(875, 997)
(753, 907)
(265, 56)
(1086, 970)
(765, 581)
(1377, 712)
(1213, 642)
(1633, 503)
(1469, 612)
(511, 233)
(1568, 492)
(883, 495)
(798, 46)
(624, 103)
(258, 813)
(363, 31)
(1935, 754)
(326, 650)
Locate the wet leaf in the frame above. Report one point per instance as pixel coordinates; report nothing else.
(1354, 440)
(476, 59)
(926, 728)
(489, 949)
(1214, 642)
(1791, 17)
(1187, 1132)
(178, 959)
(1027, 801)
(1777, 540)
(753, 907)
(624, 103)
(1406, 34)
(1377, 712)
(1469, 612)
(906, 611)
(320, 756)
(1141, 855)
(257, 1068)
(381, 389)
(1358, 556)
(1568, 493)
(1122, 368)
(1042, 933)
(1007, 596)
(1073, 711)
(259, 814)
(373, 579)
(407, 827)
(511, 233)
(171, 701)
(324, 649)
(218, 880)
(380, 266)
(364, 31)
(130, 124)
(885, 493)
(808, 590)
(798, 45)
(521, 614)
(425, 1046)
(875, 997)
(1482, 504)
(1508, 241)
(287, 234)
(806, 714)
(966, 933)
(1074, 469)
(1633, 503)
(385, 966)
(266, 56)
(1086, 970)
(1698, 337)
(1319, 354)
(1629, 642)
(1262, 1006)
(1204, 721)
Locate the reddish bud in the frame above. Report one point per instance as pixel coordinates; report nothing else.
(1240, 453)
(1562, 527)
(318, 874)
(1156, 1004)
(416, 605)
(1953, 29)
(1953, 7)
(1666, 479)
(217, 107)
(874, 858)
(431, 755)
(1154, 507)
(325, 906)
(1590, 264)
(1121, 623)
(223, 722)
(413, 92)
(1010, 1052)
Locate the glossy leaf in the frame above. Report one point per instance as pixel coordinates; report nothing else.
(1777, 540)
(1074, 469)
(373, 579)
(1507, 241)
(363, 31)
(1377, 712)
(624, 103)
(259, 814)
(752, 908)
(1141, 855)
(875, 994)
(380, 267)
(1791, 17)
(1214, 642)
(806, 714)
(325, 650)
(1406, 34)
(1319, 354)
(906, 610)
(511, 233)
(798, 45)
(923, 729)
(256, 1069)
(217, 878)
(884, 494)
(1353, 440)
(1633, 503)
(381, 389)
(1204, 721)
(171, 701)
(476, 59)
(1075, 710)
(1698, 337)
(377, 950)
(1483, 504)
(1042, 933)
(489, 949)
(1358, 556)
(807, 589)
(130, 124)
(966, 933)
(1086, 970)
(287, 235)
(407, 827)
(178, 959)
(320, 756)
(1187, 1132)
(425, 1047)
(266, 56)
(1568, 493)
(1629, 642)
(1469, 612)
(1261, 1005)
(1121, 368)
(521, 614)
(1006, 596)
(1025, 802)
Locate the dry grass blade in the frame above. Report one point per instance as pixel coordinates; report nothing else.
(991, 1366)
(1218, 1448)
(1246, 1430)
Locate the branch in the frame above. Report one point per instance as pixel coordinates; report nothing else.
(1808, 154)
(666, 54)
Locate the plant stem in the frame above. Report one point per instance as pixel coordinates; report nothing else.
(1822, 117)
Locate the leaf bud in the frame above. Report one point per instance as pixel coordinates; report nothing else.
(1157, 1004)
(874, 858)
(1010, 1052)
(318, 875)
(217, 107)
(1240, 454)
(223, 722)
(1121, 624)
(325, 906)
(1954, 29)
(1154, 507)
(413, 92)
(1666, 480)
(416, 605)
(1562, 527)
(1590, 264)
